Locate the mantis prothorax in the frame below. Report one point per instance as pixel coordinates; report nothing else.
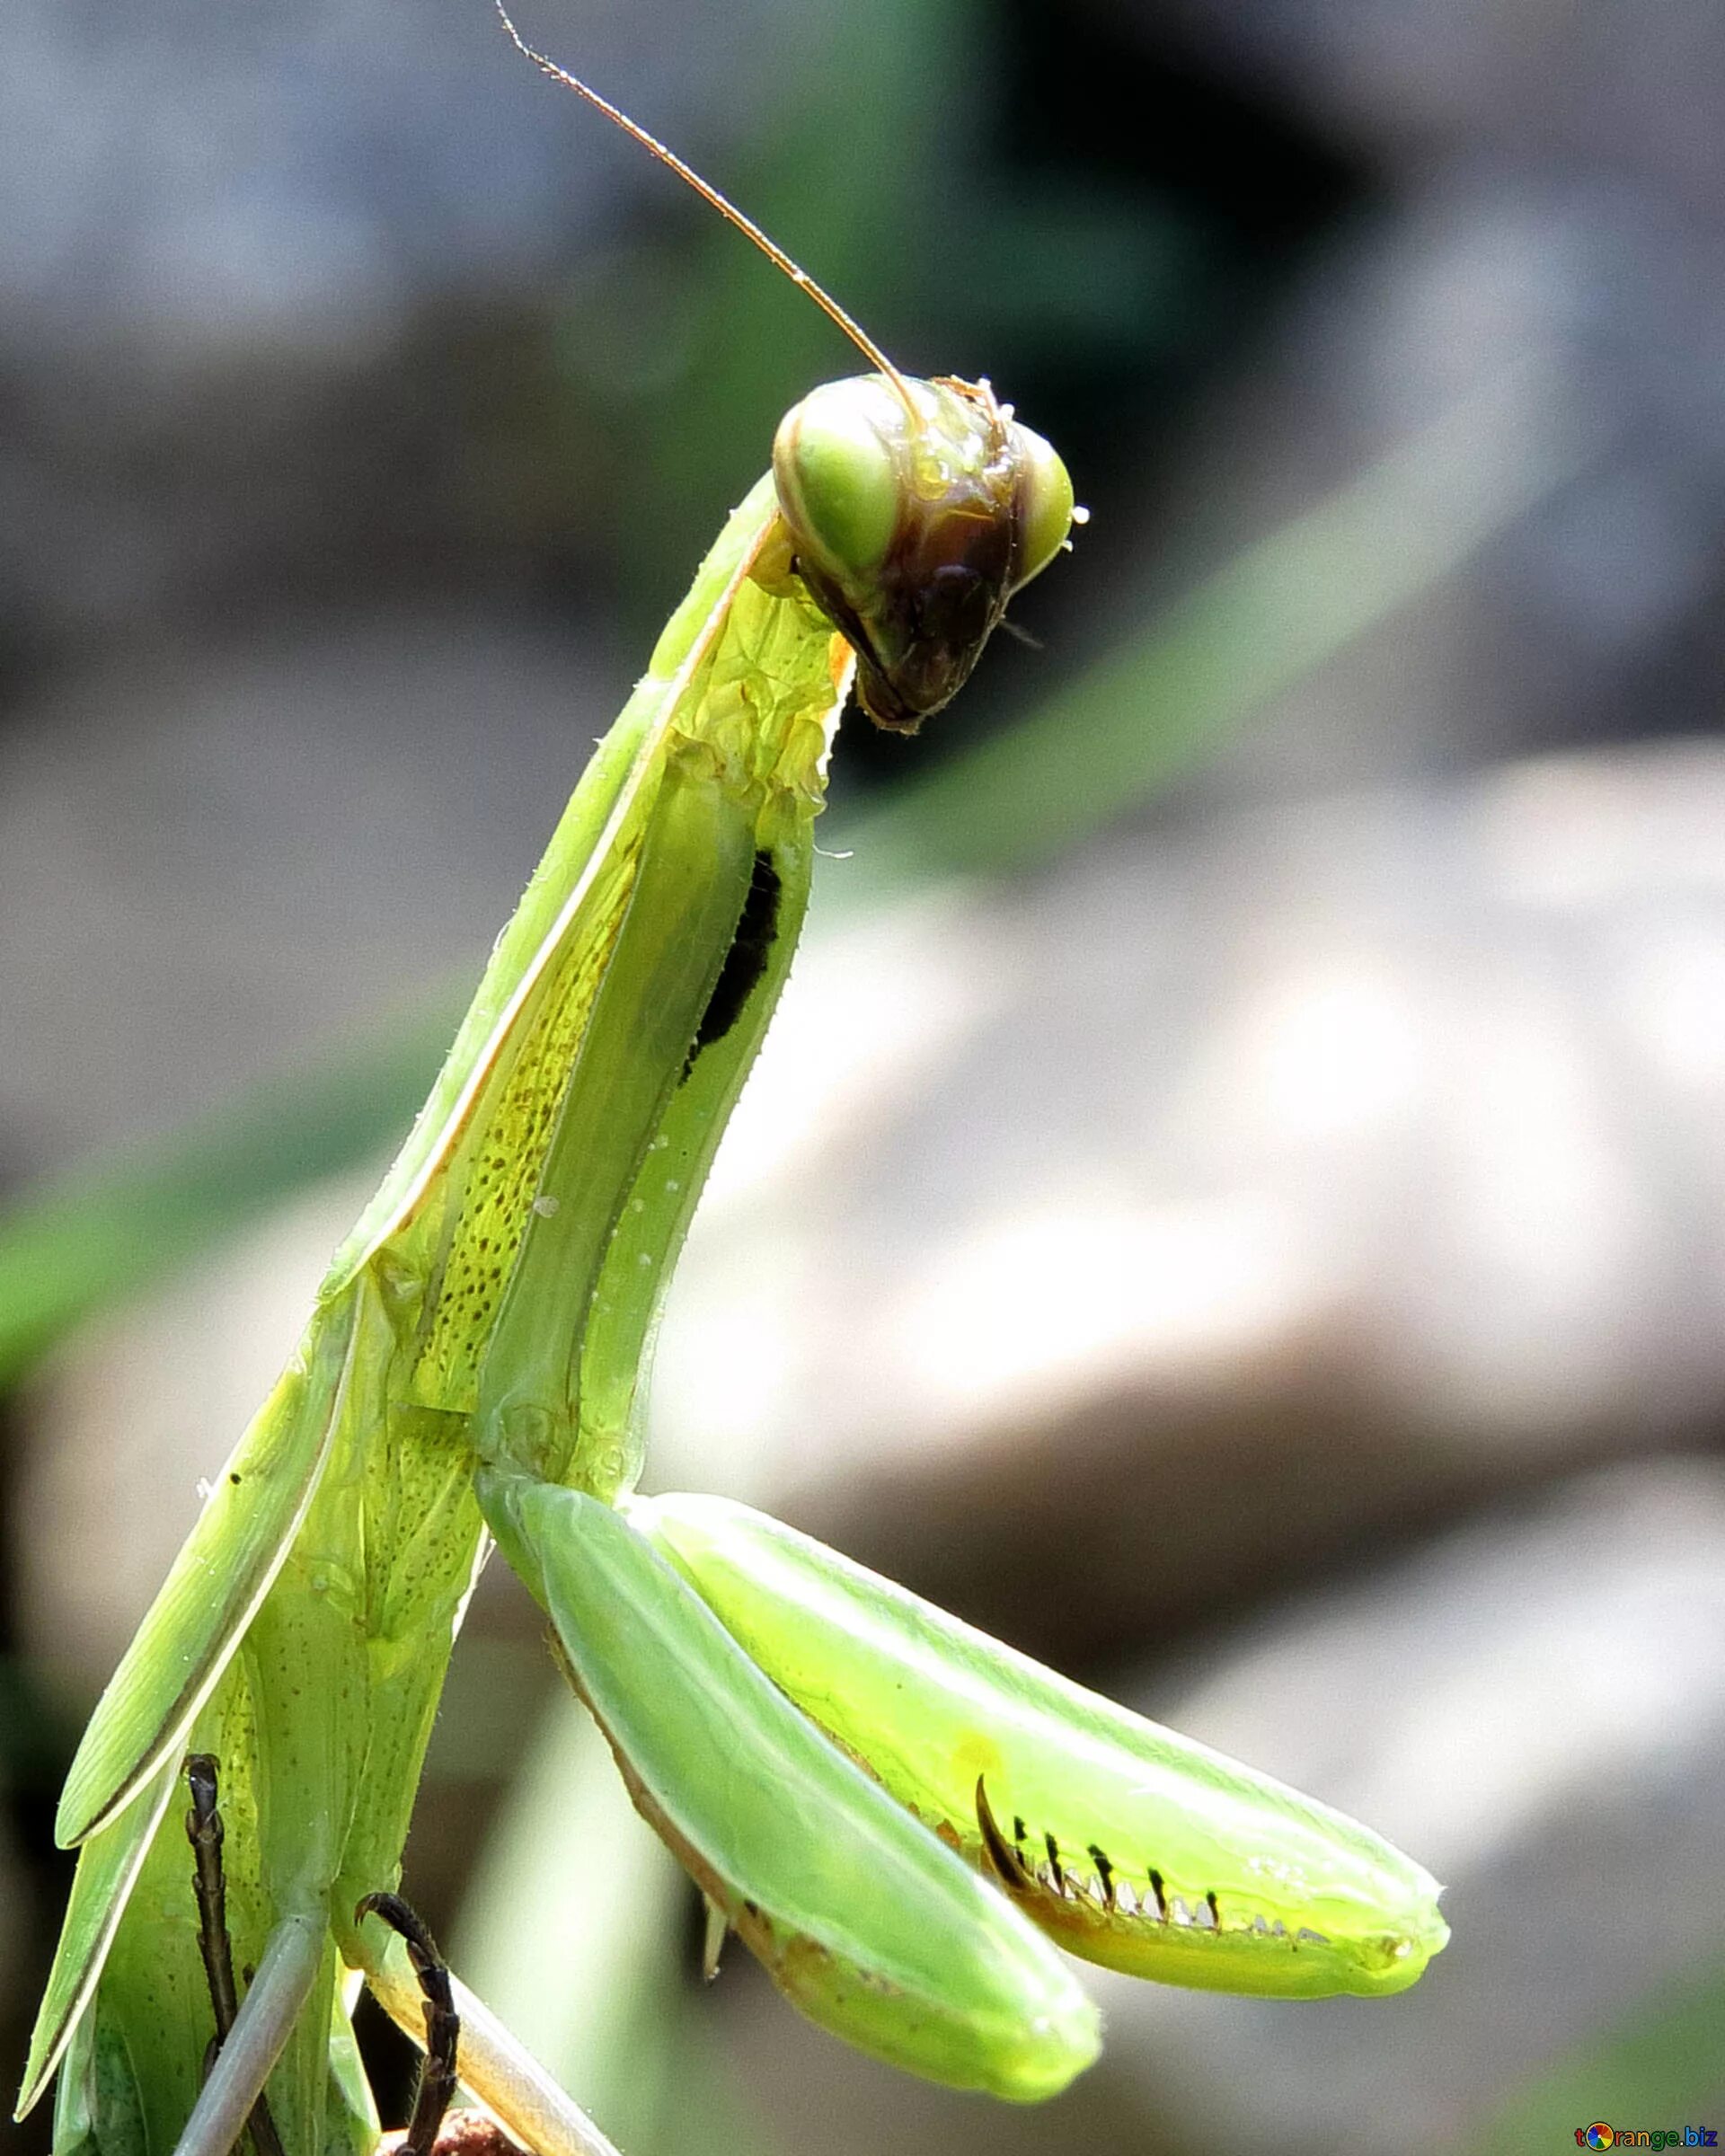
(900, 1816)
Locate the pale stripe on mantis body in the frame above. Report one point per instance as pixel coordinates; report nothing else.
(897, 1814)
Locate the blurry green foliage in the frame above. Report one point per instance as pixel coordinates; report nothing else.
(1661, 2066)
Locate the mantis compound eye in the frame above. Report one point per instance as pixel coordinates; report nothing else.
(912, 536)
(1045, 511)
(837, 476)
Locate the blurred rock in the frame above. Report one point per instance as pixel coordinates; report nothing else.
(156, 162)
(278, 292)
(1565, 82)
(1535, 1707)
(213, 858)
(1101, 1250)
(811, 2091)
(1548, 228)
(1580, 319)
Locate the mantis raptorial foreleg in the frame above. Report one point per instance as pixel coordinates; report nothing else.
(1131, 1845)
(859, 1914)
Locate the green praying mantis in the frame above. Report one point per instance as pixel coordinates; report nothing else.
(904, 1820)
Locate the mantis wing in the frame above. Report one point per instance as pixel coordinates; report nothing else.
(862, 1918)
(128, 1765)
(1133, 1846)
(218, 1579)
(108, 1868)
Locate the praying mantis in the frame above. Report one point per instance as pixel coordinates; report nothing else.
(904, 1820)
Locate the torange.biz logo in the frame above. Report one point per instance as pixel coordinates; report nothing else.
(1599, 2136)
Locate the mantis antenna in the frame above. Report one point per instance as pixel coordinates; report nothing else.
(726, 209)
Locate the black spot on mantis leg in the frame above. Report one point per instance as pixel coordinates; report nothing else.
(745, 961)
(436, 2085)
(1156, 1888)
(1216, 1913)
(205, 1831)
(1053, 1848)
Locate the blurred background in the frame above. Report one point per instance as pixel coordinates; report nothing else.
(1235, 1198)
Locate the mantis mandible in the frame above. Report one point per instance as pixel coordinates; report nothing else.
(901, 1817)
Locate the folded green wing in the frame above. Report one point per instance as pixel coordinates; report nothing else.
(218, 1579)
(108, 1867)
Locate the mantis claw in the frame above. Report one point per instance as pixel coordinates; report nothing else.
(437, 2078)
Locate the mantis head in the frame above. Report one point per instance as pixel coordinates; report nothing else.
(915, 509)
(913, 518)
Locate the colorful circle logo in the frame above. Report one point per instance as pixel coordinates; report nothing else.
(1599, 2136)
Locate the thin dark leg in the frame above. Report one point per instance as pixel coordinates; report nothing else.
(209, 1882)
(204, 1831)
(442, 2023)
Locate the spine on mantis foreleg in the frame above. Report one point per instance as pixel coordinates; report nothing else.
(1131, 1845)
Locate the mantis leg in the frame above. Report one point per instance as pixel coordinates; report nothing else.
(261, 2028)
(1129, 1844)
(442, 2034)
(204, 1831)
(862, 1918)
